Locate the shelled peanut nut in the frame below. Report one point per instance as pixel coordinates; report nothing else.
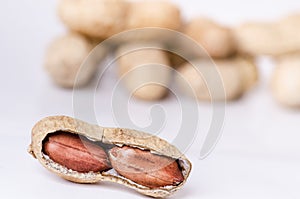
(76, 151)
(217, 40)
(229, 78)
(95, 18)
(145, 168)
(144, 68)
(65, 56)
(285, 82)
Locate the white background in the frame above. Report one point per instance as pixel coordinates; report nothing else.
(257, 157)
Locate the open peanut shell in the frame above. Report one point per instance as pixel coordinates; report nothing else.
(111, 136)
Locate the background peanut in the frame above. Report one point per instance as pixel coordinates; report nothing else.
(65, 56)
(157, 13)
(145, 69)
(285, 82)
(217, 40)
(95, 18)
(269, 38)
(212, 77)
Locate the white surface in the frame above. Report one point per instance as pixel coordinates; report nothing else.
(257, 157)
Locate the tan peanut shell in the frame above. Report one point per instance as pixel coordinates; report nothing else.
(259, 38)
(114, 136)
(153, 13)
(269, 38)
(150, 21)
(217, 40)
(285, 81)
(65, 56)
(249, 71)
(95, 18)
(145, 70)
(230, 77)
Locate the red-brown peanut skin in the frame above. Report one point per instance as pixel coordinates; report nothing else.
(75, 153)
(145, 168)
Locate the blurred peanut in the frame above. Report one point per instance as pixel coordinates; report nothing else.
(153, 13)
(217, 40)
(65, 56)
(249, 71)
(145, 69)
(285, 82)
(223, 79)
(150, 20)
(259, 38)
(267, 38)
(95, 18)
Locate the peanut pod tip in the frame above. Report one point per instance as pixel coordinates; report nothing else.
(85, 153)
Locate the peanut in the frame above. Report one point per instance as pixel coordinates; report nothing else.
(104, 18)
(235, 75)
(217, 40)
(285, 82)
(75, 153)
(149, 13)
(65, 57)
(249, 71)
(145, 168)
(95, 18)
(144, 70)
(259, 38)
(269, 38)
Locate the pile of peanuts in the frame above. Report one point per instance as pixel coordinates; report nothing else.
(232, 49)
